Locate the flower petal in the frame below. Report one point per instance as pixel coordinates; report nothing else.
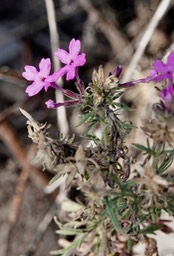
(170, 63)
(159, 66)
(74, 48)
(57, 74)
(30, 73)
(50, 104)
(34, 88)
(117, 71)
(80, 60)
(45, 67)
(53, 78)
(63, 56)
(46, 85)
(159, 78)
(170, 59)
(71, 73)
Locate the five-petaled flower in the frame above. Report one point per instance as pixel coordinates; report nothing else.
(164, 70)
(72, 60)
(161, 71)
(41, 79)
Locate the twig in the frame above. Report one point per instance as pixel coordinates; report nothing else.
(42, 227)
(11, 77)
(169, 49)
(113, 35)
(54, 37)
(9, 137)
(161, 10)
(9, 111)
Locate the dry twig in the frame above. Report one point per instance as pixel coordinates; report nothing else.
(161, 10)
(11, 140)
(42, 227)
(54, 37)
(113, 35)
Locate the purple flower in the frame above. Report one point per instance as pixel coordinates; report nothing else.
(69, 103)
(41, 79)
(159, 72)
(75, 98)
(72, 59)
(117, 71)
(164, 70)
(167, 95)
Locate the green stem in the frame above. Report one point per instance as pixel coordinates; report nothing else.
(104, 128)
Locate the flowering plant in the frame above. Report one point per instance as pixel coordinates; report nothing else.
(121, 204)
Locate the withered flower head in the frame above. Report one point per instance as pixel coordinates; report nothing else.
(100, 84)
(159, 130)
(151, 186)
(99, 80)
(94, 188)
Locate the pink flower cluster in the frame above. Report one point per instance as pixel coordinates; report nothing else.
(165, 71)
(42, 79)
(167, 95)
(161, 71)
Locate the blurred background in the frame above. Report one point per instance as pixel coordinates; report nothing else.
(110, 32)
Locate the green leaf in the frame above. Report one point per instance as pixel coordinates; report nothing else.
(165, 164)
(117, 181)
(129, 245)
(168, 152)
(115, 95)
(126, 213)
(85, 118)
(68, 249)
(121, 105)
(121, 205)
(112, 215)
(144, 149)
(151, 229)
(56, 177)
(130, 183)
(90, 126)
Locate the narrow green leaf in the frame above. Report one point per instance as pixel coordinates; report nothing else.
(165, 164)
(168, 152)
(112, 216)
(56, 177)
(90, 126)
(129, 245)
(117, 181)
(121, 205)
(121, 105)
(151, 229)
(143, 148)
(66, 251)
(85, 118)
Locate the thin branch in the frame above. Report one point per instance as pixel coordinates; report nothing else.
(41, 229)
(54, 38)
(161, 10)
(117, 41)
(10, 139)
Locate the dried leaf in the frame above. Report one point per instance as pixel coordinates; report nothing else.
(80, 154)
(70, 206)
(70, 179)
